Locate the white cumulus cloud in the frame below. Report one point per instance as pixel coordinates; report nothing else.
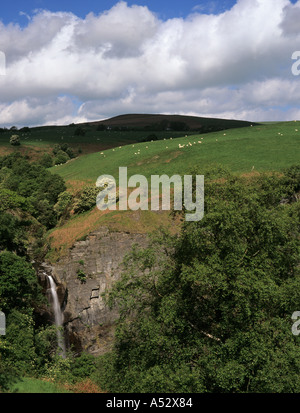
(235, 64)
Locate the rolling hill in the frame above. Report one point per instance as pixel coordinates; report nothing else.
(247, 151)
(175, 122)
(122, 130)
(268, 147)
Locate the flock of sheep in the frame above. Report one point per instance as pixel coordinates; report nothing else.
(180, 146)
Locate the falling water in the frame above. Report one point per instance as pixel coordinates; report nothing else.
(58, 317)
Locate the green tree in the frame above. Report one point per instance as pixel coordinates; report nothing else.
(20, 338)
(46, 160)
(11, 200)
(210, 311)
(61, 157)
(19, 288)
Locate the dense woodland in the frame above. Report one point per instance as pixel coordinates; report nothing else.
(206, 311)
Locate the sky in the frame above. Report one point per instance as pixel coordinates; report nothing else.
(69, 61)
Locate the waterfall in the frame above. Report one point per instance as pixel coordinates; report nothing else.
(58, 317)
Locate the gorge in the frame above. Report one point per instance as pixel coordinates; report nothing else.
(79, 278)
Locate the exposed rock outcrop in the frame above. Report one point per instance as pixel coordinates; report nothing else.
(89, 269)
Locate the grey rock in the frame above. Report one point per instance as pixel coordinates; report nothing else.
(88, 322)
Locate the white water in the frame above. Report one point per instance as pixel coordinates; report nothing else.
(59, 318)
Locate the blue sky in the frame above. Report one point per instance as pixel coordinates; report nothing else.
(68, 61)
(165, 9)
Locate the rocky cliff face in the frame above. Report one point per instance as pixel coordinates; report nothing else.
(89, 269)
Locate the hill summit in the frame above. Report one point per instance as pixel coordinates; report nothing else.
(172, 122)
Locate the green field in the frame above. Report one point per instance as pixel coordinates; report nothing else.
(269, 147)
(121, 130)
(31, 385)
(49, 135)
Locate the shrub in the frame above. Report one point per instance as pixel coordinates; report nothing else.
(79, 131)
(63, 205)
(81, 276)
(86, 199)
(46, 160)
(61, 157)
(83, 366)
(15, 140)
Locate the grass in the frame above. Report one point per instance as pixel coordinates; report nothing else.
(32, 385)
(43, 139)
(123, 130)
(269, 147)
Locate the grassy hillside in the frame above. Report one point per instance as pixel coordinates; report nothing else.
(122, 130)
(270, 147)
(260, 148)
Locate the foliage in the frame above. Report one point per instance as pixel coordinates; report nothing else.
(25, 129)
(58, 369)
(19, 288)
(62, 153)
(64, 204)
(29, 187)
(13, 236)
(84, 386)
(20, 336)
(28, 195)
(61, 157)
(45, 342)
(210, 311)
(8, 373)
(79, 131)
(46, 160)
(15, 140)
(86, 199)
(83, 366)
(81, 276)
(11, 200)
